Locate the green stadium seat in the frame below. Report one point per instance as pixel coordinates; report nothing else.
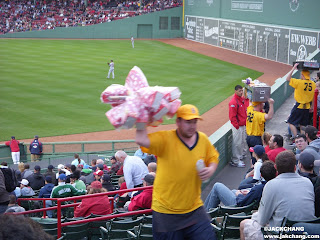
(94, 227)
(234, 210)
(76, 232)
(147, 219)
(231, 226)
(116, 230)
(143, 232)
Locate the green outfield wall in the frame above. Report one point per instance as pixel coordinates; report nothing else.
(281, 31)
(296, 13)
(162, 24)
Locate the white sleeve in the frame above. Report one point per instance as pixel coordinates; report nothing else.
(128, 176)
(257, 174)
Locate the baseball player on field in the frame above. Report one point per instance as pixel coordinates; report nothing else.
(111, 69)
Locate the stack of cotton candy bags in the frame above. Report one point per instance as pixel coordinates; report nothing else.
(137, 104)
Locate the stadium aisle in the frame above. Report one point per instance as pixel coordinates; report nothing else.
(232, 176)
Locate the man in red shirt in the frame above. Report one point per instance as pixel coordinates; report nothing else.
(144, 199)
(237, 117)
(15, 151)
(276, 145)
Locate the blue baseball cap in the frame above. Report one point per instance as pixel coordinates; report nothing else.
(258, 149)
(62, 176)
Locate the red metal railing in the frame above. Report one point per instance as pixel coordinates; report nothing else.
(60, 206)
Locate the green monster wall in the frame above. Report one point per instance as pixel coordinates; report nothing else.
(295, 13)
(162, 24)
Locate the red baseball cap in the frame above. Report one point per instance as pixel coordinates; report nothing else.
(99, 173)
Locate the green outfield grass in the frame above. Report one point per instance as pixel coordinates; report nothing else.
(53, 87)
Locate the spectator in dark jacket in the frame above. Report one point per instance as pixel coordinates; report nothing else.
(4, 195)
(306, 165)
(35, 149)
(87, 176)
(51, 173)
(36, 180)
(45, 192)
(106, 182)
(115, 165)
(18, 175)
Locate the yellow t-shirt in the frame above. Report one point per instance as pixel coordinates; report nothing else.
(177, 186)
(255, 122)
(304, 92)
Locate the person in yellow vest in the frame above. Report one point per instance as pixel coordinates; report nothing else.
(178, 211)
(303, 94)
(256, 120)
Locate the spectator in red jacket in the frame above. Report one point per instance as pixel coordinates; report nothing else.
(144, 199)
(15, 151)
(96, 204)
(237, 117)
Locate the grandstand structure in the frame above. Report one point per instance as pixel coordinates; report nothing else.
(281, 34)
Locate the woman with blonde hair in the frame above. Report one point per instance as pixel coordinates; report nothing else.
(20, 171)
(265, 141)
(21, 167)
(99, 205)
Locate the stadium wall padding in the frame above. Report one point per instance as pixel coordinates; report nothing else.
(144, 26)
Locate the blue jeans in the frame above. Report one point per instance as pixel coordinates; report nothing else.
(310, 228)
(247, 183)
(3, 207)
(220, 193)
(49, 212)
(199, 231)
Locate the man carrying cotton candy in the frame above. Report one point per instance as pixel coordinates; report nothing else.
(136, 104)
(178, 211)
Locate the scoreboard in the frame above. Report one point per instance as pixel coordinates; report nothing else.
(279, 44)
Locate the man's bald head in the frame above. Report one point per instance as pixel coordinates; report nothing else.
(152, 167)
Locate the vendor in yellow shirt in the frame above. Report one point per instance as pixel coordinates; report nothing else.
(255, 122)
(303, 94)
(178, 211)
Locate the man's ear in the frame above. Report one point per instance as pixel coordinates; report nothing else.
(275, 166)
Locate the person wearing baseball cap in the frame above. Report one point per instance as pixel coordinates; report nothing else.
(51, 173)
(303, 94)
(35, 149)
(255, 122)
(25, 189)
(180, 148)
(306, 165)
(65, 190)
(98, 175)
(36, 179)
(15, 150)
(259, 153)
(143, 200)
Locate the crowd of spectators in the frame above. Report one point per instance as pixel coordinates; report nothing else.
(26, 15)
(79, 178)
